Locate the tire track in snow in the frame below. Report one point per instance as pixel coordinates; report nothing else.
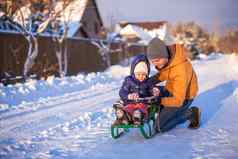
(61, 112)
(58, 100)
(77, 137)
(67, 139)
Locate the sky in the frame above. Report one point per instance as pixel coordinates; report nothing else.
(212, 14)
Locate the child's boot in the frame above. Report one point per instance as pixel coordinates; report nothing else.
(137, 117)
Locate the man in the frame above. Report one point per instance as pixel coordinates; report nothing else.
(181, 85)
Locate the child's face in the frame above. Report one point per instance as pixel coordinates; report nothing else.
(140, 76)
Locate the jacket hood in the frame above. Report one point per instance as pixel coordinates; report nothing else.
(136, 60)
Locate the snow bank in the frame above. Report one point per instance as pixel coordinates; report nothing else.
(32, 90)
(118, 71)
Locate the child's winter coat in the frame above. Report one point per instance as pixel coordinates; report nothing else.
(132, 85)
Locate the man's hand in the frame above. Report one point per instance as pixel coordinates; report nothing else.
(133, 96)
(156, 91)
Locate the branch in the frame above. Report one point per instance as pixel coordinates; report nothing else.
(96, 44)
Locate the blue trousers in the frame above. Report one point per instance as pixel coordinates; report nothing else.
(169, 117)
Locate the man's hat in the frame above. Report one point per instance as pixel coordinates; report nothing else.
(157, 49)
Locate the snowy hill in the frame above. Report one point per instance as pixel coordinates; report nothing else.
(71, 117)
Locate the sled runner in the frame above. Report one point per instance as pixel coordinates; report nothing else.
(146, 128)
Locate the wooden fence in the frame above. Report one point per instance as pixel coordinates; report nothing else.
(82, 56)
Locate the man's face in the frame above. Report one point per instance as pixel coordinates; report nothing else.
(159, 62)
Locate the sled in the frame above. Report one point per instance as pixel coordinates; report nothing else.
(147, 129)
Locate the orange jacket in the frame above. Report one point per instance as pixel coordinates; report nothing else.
(181, 80)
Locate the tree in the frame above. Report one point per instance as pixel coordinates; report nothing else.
(104, 47)
(31, 19)
(29, 24)
(60, 32)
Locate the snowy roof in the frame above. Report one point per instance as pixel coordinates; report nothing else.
(25, 11)
(71, 14)
(133, 30)
(149, 25)
(8, 25)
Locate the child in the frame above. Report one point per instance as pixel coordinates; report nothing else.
(136, 85)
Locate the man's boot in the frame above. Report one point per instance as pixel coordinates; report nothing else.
(195, 118)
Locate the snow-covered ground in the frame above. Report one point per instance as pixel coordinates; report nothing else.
(71, 117)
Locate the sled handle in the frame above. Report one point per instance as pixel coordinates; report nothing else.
(147, 99)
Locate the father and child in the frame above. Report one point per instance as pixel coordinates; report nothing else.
(173, 99)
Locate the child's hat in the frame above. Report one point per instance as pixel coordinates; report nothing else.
(141, 67)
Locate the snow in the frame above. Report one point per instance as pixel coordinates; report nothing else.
(22, 15)
(70, 117)
(132, 30)
(72, 14)
(1, 13)
(146, 35)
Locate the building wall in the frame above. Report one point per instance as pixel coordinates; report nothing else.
(91, 21)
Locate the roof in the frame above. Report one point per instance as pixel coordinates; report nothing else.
(24, 12)
(132, 31)
(71, 14)
(148, 25)
(145, 31)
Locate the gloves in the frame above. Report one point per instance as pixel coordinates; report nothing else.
(133, 96)
(155, 91)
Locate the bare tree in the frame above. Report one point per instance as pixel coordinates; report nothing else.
(104, 50)
(25, 27)
(105, 47)
(61, 51)
(26, 21)
(60, 39)
(62, 19)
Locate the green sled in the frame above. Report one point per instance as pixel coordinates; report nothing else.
(147, 129)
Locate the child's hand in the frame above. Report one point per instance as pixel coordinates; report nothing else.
(156, 91)
(133, 96)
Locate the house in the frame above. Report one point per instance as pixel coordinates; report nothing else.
(83, 18)
(141, 31)
(91, 21)
(41, 24)
(80, 17)
(148, 25)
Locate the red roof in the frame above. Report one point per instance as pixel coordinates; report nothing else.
(150, 25)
